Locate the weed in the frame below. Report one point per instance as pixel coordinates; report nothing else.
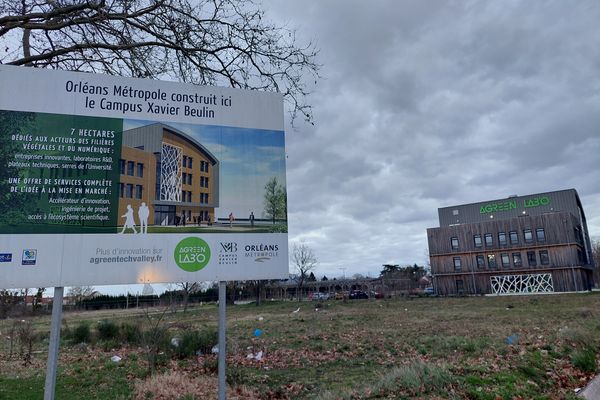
(577, 335)
(82, 333)
(130, 333)
(413, 378)
(193, 342)
(107, 330)
(585, 360)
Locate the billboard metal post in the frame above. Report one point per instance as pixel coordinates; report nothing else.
(222, 337)
(53, 346)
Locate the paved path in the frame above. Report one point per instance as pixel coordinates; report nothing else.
(592, 390)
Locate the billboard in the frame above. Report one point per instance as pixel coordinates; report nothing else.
(112, 180)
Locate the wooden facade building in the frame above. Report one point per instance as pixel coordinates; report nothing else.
(523, 244)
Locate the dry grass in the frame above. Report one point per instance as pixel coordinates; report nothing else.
(178, 385)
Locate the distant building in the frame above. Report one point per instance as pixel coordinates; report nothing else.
(177, 177)
(522, 244)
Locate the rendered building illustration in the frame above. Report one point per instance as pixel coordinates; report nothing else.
(521, 244)
(172, 173)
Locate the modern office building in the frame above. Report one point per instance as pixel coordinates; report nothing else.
(521, 244)
(173, 174)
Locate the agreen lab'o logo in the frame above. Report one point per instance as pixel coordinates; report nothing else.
(192, 254)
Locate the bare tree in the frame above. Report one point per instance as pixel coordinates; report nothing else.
(208, 42)
(187, 288)
(80, 293)
(304, 261)
(596, 256)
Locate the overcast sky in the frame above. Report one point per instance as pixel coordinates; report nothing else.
(427, 104)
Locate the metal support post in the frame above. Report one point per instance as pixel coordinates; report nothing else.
(222, 337)
(53, 346)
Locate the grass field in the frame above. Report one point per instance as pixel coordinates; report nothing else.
(537, 347)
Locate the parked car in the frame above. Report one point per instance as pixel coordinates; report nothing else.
(377, 295)
(341, 295)
(358, 294)
(321, 296)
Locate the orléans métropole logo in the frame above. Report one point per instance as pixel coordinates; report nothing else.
(261, 252)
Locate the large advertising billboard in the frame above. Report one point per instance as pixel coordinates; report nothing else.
(111, 180)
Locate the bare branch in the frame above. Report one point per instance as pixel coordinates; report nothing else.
(225, 42)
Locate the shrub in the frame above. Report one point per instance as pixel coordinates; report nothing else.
(130, 333)
(107, 330)
(278, 228)
(413, 378)
(82, 333)
(585, 360)
(196, 341)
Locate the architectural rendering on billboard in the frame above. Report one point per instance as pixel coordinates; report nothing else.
(109, 180)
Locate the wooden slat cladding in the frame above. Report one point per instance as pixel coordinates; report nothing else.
(564, 280)
(558, 229)
(561, 253)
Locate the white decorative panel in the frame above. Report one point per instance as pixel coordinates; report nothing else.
(532, 283)
(170, 172)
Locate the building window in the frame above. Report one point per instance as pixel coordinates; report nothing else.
(130, 168)
(139, 191)
(454, 243)
(477, 240)
(460, 286)
(189, 179)
(190, 159)
(122, 167)
(183, 195)
(480, 261)
(206, 182)
(527, 235)
(514, 237)
(140, 170)
(206, 198)
(129, 191)
(505, 260)
(517, 261)
(203, 166)
(544, 259)
(540, 234)
(184, 161)
(491, 260)
(121, 190)
(502, 238)
(184, 178)
(489, 239)
(457, 266)
(189, 197)
(531, 260)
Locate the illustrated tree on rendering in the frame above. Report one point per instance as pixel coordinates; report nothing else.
(275, 200)
(305, 262)
(225, 43)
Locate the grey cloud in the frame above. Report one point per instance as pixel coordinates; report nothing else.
(429, 104)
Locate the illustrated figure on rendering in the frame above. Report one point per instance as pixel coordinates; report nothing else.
(251, 218)
(129, 222)
(143, 214)
(231, 219)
